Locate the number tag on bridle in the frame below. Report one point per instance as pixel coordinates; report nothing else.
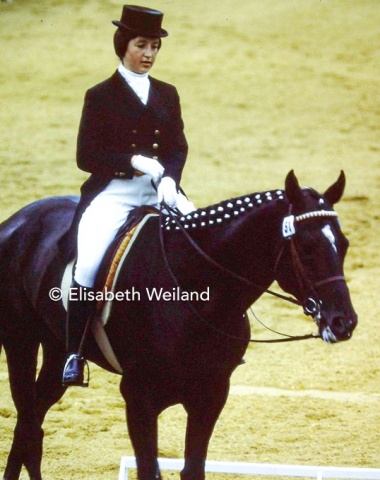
(288, 229)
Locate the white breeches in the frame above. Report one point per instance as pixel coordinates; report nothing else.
(102, 219)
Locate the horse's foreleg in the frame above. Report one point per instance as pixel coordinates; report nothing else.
(27, 438)
(203, 410)
(142, 427)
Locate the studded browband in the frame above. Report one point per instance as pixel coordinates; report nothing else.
(288, 229)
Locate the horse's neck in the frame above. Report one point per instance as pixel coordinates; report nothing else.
(227, 211)
(238, 233)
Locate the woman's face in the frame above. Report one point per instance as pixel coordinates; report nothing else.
(141, 54)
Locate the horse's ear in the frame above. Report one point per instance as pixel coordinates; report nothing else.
(334, 193)
(292, 189)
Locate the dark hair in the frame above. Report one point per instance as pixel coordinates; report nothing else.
(121, 39)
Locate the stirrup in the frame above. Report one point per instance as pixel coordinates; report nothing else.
(73, 372)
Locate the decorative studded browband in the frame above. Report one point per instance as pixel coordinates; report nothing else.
(317, 213)
(288, 228)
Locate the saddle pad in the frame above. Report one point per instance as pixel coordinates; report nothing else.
(104, 306)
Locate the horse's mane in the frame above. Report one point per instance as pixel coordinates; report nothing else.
(224, 211)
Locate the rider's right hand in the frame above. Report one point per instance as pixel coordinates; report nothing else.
(148, 165)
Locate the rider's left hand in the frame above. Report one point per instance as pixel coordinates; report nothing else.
(167, 192)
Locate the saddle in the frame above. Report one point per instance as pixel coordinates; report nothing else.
(106, 277)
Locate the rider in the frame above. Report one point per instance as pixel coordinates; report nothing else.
(131, 139)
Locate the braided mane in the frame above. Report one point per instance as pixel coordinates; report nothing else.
(224, 211)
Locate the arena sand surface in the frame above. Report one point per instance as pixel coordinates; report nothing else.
(265, 87)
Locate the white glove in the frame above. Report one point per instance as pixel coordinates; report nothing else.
(167, 192)
(184, 205)
(148, 165)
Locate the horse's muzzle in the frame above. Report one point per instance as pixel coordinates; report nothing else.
(333, 325)
(337, 327)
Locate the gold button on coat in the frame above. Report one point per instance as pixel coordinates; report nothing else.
(155, 146)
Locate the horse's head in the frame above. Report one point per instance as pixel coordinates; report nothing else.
(310, 265)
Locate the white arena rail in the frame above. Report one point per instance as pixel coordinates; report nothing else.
(260, 469)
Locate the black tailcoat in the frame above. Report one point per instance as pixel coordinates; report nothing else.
(116, 125)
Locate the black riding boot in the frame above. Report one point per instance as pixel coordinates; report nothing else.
(80, 308)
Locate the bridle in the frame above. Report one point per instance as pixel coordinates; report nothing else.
(311, 306)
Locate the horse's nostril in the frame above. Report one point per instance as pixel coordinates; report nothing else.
(338, 323)
(342, 327)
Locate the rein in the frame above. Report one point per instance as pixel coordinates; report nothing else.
(218, 265)
(222, 268)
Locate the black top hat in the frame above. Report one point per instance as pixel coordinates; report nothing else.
(142, 21)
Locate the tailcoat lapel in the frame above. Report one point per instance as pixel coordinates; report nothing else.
(129, 101)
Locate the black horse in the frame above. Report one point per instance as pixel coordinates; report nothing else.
(173, 345)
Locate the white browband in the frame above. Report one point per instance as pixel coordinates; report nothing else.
(317, 213)
(288, 228)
